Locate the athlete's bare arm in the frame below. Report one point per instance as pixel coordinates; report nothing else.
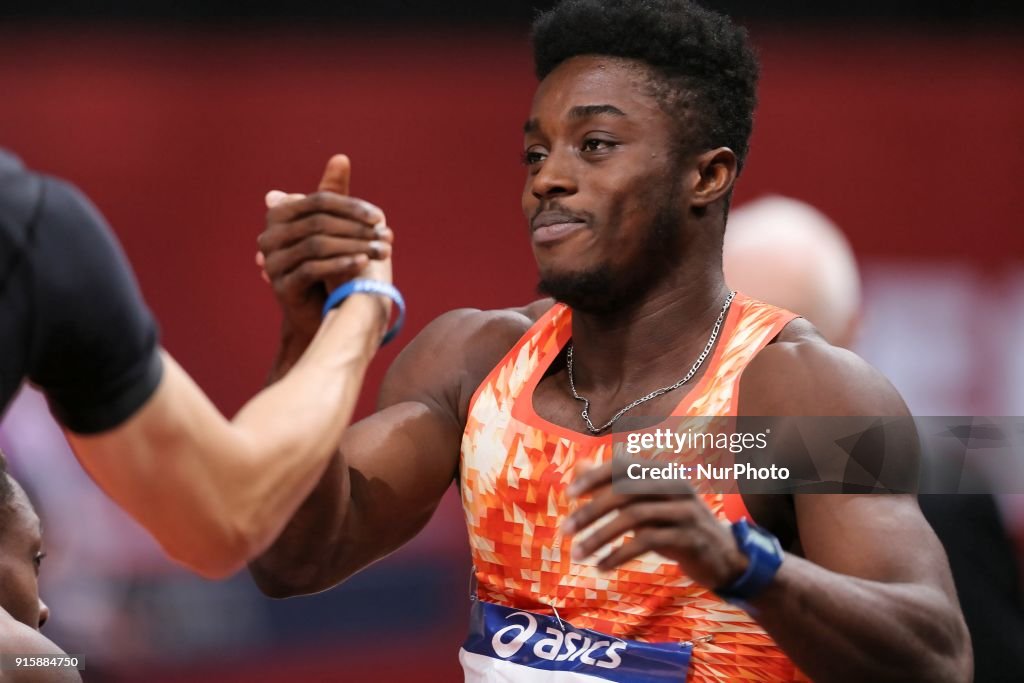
(393, 467)
(215, 493)
(18, 638)
(871, 599)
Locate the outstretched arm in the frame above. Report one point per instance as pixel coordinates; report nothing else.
(393, 467)
(213, 492)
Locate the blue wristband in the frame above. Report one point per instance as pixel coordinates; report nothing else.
(764, 555)
(363, 286)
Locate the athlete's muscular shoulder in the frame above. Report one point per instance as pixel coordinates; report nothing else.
(449, 359)
(802, 374)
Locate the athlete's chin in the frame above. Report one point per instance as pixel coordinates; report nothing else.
(588, 290)
(566, 261)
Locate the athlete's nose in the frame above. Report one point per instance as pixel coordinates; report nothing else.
(556, 176)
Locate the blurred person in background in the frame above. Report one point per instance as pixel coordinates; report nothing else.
(637, 132)
(788, 253)
(213, 492)
(22, 611)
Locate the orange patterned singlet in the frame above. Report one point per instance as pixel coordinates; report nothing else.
(516, 466)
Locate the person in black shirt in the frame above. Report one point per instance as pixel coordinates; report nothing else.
(73, 319)
(214, 493)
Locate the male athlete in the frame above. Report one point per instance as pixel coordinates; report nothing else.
(636, 134)
(214, 493)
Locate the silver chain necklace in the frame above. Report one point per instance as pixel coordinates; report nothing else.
(657, 392)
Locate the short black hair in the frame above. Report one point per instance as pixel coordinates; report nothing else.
(705, 67)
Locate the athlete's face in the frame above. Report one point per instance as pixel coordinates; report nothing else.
(602, 193)
(20, 554)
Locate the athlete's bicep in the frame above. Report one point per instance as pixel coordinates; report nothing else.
(400, 462)
(391, 471)
(879, 537)
(875, 536)
(393, 467)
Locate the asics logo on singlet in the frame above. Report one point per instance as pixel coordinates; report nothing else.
(559, 647)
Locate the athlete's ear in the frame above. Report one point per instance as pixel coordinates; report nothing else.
(713, 177)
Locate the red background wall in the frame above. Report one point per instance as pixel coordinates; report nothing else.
(912, 143)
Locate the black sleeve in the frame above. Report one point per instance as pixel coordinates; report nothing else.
(94, 345)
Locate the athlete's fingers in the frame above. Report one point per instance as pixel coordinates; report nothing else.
(326, 203)
(337, 178)
(313, 272)
(275, 197)
(322, 247)
(261, 263)
(588, 478)
(647, 540)
(336, 175)
(604, 501)
(280, 235)
(633, 518)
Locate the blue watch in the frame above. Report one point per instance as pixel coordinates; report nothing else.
(764, 553)
(366, 286)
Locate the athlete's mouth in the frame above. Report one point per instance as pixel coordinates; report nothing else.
(547, 219)
(552, 226)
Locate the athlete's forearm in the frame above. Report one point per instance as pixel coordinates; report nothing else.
(216, 493)
(350, 520)
(840, 628)
(301, 559)
(381, 489)
(389, 475)
(293, 344)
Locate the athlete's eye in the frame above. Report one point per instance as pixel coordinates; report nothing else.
(533, 156)
(596, 145)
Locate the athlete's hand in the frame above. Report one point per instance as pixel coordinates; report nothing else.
(313, 243)
(677, 526)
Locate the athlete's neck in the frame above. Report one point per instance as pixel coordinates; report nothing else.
(652, 342)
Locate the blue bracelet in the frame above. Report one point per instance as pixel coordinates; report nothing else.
(764, 554)
(363, 286)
